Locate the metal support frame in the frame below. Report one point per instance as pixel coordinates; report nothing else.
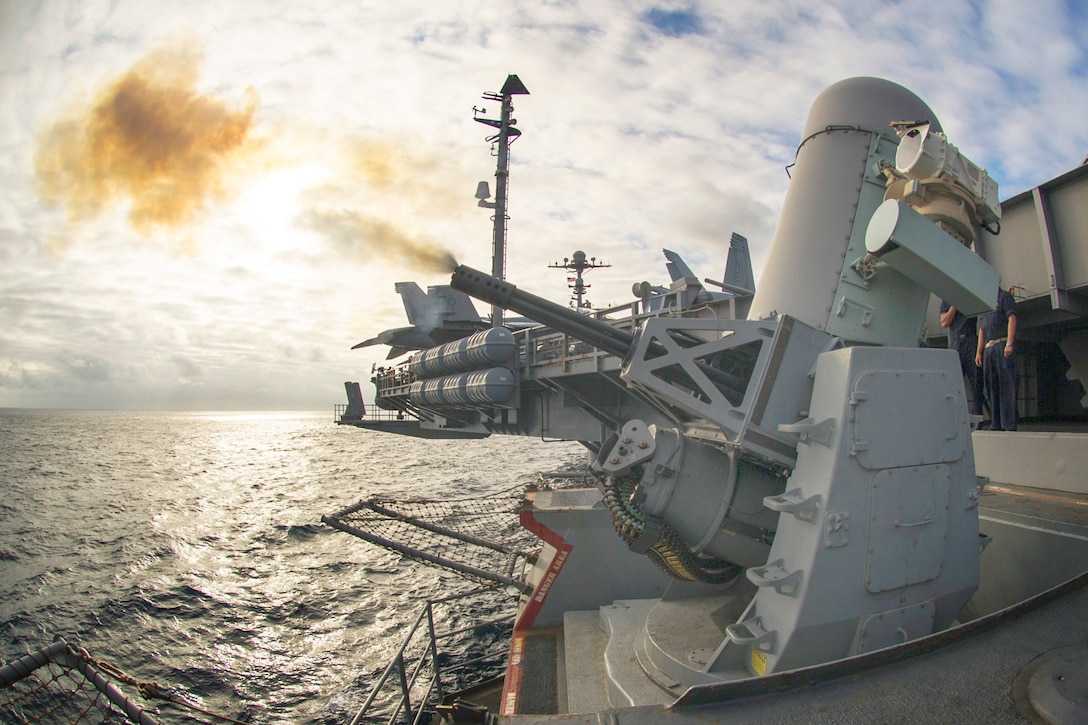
(1060, 299)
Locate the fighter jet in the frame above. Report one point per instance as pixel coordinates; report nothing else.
(738, 282)
(738, 279)
(439, 316)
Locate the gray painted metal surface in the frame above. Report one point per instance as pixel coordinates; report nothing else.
(832, 195)
(812, 446)
(1043, 245)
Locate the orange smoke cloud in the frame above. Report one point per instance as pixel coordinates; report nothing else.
(149, 139)
(368, 237)
(403, 180)
(151, 143)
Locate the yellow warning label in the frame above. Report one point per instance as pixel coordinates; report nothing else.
(759, 662)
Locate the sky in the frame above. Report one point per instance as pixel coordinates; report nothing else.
(204, 205)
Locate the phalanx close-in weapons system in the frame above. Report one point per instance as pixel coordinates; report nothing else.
(813, 452)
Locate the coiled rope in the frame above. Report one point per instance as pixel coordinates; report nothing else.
(149, 690)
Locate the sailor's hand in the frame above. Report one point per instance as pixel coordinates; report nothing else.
(978, 361)
(1008, 350)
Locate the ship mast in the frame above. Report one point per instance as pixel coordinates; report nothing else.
(500, 146)
(578, 264)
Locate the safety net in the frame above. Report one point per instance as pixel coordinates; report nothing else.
(480, 538)
(63, 684)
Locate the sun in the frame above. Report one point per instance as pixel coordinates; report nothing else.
(268, 209)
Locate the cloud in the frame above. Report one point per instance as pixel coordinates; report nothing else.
(653, 123)
(187, 368)
(14, 375)
(88, 368)
(148, 140)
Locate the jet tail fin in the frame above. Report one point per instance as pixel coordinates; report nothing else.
(440, 303)
(738, 266)
(415, 302)
(458, 304)
(678, 268)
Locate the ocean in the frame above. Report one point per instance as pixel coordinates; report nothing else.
(188, 549)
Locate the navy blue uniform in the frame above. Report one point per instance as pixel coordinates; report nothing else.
(998, 371)
(963, 338)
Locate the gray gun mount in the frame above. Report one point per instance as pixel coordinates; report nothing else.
(768, 445)
(876, 540)
(812, 445)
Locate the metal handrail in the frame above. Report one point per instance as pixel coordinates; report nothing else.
(406, 680)
(397, 663)
(373, 412)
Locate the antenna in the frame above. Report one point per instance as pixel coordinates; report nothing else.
(501, 146)
(578, 264)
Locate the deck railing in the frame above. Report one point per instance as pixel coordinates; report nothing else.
(415, 680)
(373, 412)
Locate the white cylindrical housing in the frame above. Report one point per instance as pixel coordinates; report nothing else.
(913, 246)
(484, 349)
(477, 389)
(825, 209)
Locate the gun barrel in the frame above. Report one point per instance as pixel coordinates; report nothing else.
(499, 292)
(597, 333)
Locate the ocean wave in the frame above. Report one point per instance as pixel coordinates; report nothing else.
(186, 549)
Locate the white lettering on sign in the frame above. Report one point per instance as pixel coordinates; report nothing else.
(553, 572)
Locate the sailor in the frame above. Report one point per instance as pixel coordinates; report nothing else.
(994, 354)
(963, 338)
